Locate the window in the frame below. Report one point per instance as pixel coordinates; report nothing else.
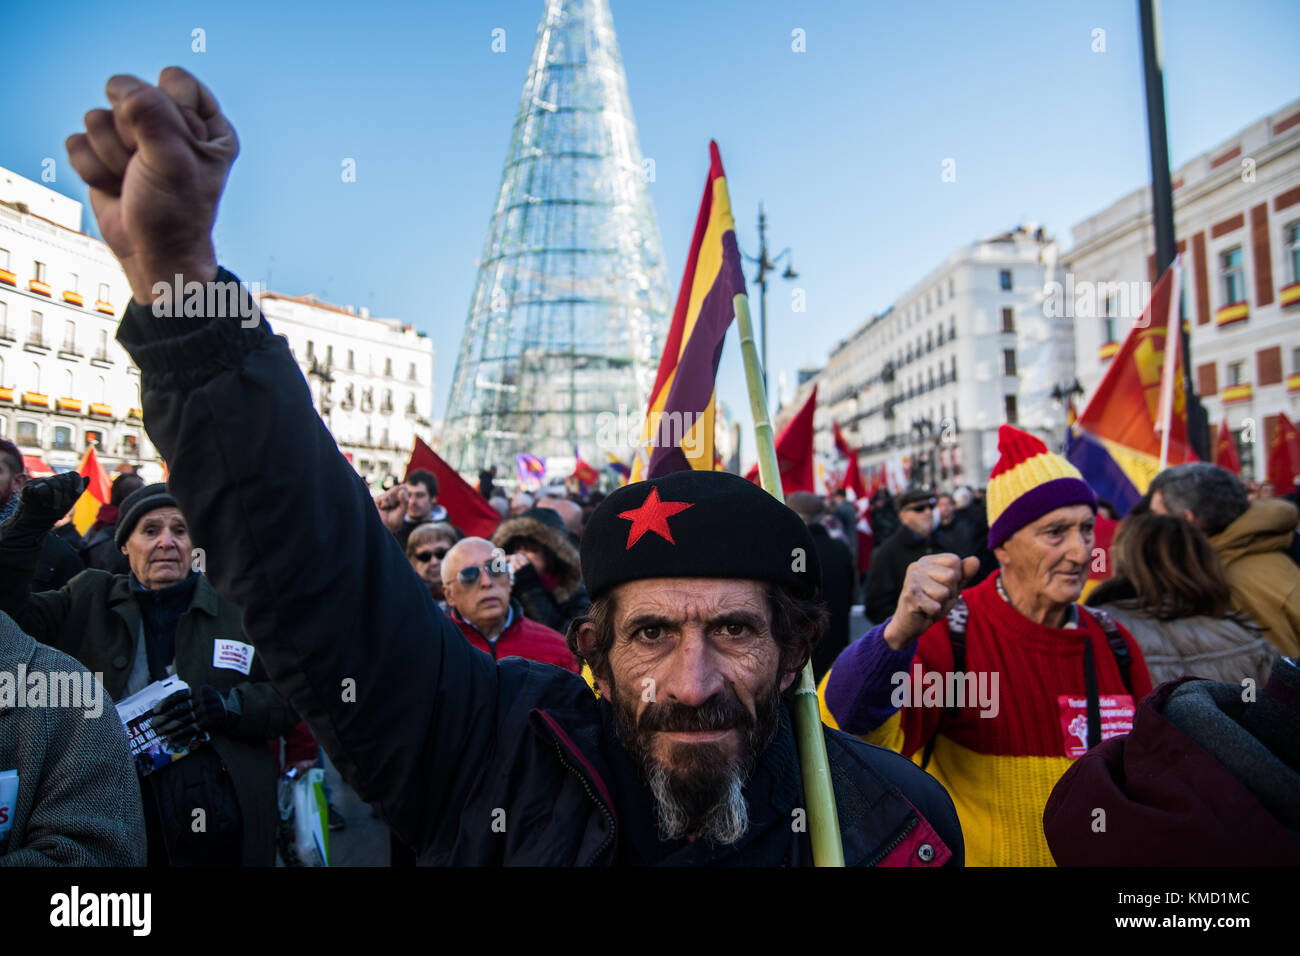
(311, 350)
(388, 368)
(37, 333)
(329, 356)
(94, 437)
(1008, 361)
(952, 327)
(1292, 243)
(952, 288)
(26, 433)
(62, 438)
(1295, 361)
(103, 292)
(938, 295)
(1008, 320)
(954, 368)
(1236, 373)
(929, 341)
(1108, 330)
(410, 375)
(4, 259)
(1010, 403)
(4, 319)
(101, 353)
(1004, 280)
(352, 363)
(40, 271)
(1232, 275)
(72, 282)
(1245, 453)
(69, 336)
(130, 445)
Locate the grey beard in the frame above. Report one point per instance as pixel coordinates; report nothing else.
(725, 822)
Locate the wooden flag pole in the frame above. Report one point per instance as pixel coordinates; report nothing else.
(823, 821)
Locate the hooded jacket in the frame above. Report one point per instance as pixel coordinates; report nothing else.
(77, 801)
(1204, 778)
(469, 760)
(554, 606)
(1264, 581)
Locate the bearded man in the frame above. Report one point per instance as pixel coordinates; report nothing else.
(705, 589)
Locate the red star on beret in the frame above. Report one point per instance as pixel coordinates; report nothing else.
(653, 516)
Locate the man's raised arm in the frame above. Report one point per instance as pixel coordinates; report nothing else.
(391, 689)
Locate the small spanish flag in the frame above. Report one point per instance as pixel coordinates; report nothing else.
(97, 492)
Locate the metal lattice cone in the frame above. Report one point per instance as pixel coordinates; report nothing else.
(570, 309)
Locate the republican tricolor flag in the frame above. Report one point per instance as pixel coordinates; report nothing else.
(682, 398)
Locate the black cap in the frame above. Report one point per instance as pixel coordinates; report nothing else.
(139, 503)
(697, 524)
(913, 496)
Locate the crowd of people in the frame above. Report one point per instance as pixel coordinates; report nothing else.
(608, 679)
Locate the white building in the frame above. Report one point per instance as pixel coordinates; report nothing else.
(371, 379)
(64, 380)
(1238, 207)
(965, 349)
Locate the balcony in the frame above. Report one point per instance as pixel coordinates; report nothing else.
(36, 400)
(39, 287)
(73, 297)
(7, 395)
(1236, 393)
(105, 307)
(1289, 295)
(101, 359)
(135, 413)
(101, 408)
(8, 278)
(70, 405)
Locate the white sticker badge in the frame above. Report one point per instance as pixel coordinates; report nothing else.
(232, 655)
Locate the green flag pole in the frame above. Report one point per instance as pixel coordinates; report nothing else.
(823, 821)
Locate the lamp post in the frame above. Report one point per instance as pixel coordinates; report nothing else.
(926, 429)
(766, 265)
(1061, 396)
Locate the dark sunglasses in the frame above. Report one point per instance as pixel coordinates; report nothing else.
(470, 574)
(438, 553)
(921, 507)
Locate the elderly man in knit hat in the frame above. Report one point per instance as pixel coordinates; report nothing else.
(997, 689)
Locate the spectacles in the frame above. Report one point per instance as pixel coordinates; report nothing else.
(919, 508)
(497, 567)
(438, 553)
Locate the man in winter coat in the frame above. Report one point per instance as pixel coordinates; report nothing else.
(137, 628)
(1252, 539)
(57, 562)
(548, 573)
(889, 562)
(471, 760)
(1209, 776)
(476, 579)
(68, 795)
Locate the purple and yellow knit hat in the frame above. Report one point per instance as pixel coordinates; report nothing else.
(1028, 482)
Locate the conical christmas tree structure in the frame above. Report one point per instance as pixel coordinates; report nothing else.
(570, 310)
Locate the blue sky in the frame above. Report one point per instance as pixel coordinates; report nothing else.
(843, 142)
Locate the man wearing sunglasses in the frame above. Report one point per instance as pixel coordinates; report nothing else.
(476, 581)
(913, 540)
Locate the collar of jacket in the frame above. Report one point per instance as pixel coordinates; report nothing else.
(122, 599)
(875, 818)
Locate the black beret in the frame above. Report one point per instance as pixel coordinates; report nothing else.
(139, 503)
(913, 496)
(697, 524)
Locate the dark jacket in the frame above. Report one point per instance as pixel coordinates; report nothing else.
(1204, 778)
(555, 606)
(100, 550)
(96, 619)
(78, 804)
(57, 564)
(837, 591)
(888, 569)
(468, 760)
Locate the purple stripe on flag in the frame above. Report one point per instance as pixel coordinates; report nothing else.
(697, 368)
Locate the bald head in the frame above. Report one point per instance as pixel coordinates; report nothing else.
(569, 511)
(484, 601)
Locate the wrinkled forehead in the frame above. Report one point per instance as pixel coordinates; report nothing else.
(683, 600)
(160, 516)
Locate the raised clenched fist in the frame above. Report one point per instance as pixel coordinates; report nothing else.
(930, 590)
(156, 163)
(392, 507)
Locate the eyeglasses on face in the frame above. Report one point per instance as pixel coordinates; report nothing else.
(919, 508)
(438, 553)
(497, 567)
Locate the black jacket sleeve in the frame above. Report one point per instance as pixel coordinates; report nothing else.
(399, 699)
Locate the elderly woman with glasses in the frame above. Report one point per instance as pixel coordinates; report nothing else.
(425, 549)
(476, 581)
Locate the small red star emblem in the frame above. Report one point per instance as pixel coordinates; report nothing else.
(652, 516)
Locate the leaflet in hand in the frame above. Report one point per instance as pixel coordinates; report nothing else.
(151, 752)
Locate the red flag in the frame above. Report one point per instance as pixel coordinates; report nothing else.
(466, 508)
(1284, 456)
(866, 536)
(1225, 450)
(794, 450)
(852, 474)
(90, 468)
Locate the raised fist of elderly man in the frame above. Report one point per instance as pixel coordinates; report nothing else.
(156, 163)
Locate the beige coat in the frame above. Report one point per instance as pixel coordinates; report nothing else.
(1220, 649)
(1264, 581)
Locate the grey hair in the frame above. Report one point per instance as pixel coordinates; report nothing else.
(726, 821)
(1214, 495)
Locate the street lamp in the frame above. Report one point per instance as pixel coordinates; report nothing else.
(926, 429)
(1061, 397)
(766, 265)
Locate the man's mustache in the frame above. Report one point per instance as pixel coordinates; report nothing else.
(719, 712)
